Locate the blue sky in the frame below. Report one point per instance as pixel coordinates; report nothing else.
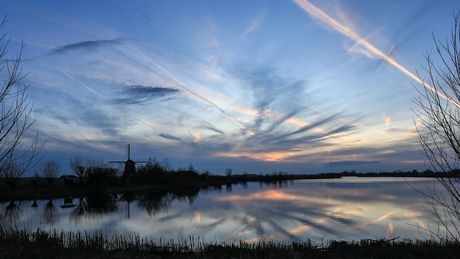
(297, 86)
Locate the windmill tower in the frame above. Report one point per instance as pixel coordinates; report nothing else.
(129, 165)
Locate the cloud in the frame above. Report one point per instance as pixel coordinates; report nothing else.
(271, 92)
(136, 94)
(234, 120)
(386, 119)
(167, 136)
(85, 115)
(256, 23)
(348, 32)
(351, 163)
(197, 136)
(90, 45)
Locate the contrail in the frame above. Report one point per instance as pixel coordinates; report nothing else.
(219, 110)
(147, 125)
(320, 15)
(381, 64)
(82, 84)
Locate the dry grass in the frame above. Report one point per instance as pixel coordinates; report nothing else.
(16, 243)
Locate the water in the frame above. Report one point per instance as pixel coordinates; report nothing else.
(350, 208)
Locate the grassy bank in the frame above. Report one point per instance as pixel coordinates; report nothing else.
(63, 244)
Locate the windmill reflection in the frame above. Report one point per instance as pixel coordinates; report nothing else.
(128, 197)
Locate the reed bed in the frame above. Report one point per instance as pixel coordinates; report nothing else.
(21, 243)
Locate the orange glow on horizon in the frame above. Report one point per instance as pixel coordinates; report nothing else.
(265, 195)
(412, 162)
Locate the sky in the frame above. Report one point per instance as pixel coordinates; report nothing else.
(298, 86)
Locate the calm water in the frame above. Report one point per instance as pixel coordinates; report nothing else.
(348, 209)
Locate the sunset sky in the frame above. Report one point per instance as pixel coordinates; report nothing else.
(297, 86)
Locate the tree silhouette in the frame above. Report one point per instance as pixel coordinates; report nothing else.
(50, 170)
(438, 129)
(18, 152)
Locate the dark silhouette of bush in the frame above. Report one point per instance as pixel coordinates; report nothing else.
(102, 177)
(152, 172)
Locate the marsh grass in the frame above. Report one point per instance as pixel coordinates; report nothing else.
(21, 243)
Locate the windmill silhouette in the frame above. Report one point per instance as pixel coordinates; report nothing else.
(130, 165)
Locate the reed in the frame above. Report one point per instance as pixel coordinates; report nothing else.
(22, 243)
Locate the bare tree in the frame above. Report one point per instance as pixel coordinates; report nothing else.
(438, 129)
(84, 167)
(94, 165)
(228, 172)
(18, 152)
(50, 170)
(77, 165)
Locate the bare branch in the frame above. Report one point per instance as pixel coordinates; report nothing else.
(439, 132)
(19, 153)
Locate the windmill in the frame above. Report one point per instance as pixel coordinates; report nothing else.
(130, 165)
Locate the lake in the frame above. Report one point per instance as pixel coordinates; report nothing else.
(349, 208)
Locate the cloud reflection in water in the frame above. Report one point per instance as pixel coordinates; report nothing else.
(347, 209)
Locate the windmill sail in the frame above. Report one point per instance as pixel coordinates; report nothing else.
(129, 165)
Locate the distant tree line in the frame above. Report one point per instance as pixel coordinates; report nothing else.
(397, 173)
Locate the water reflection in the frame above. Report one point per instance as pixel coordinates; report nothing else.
(11, 213)
(50, 214)
(285, 211)
(94, 206)
(155, 202)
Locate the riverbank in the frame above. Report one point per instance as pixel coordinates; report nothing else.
(58, 192)
(26, 190)
(62, 244)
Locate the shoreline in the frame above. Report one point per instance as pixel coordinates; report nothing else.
(62, 191)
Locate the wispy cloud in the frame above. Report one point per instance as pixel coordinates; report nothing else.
(350, 122)
(171, 137)
(231, 119)
(343, 29)
(90, 45)
(197, 136)
(386, 119)
(137, 94)
(256, 23)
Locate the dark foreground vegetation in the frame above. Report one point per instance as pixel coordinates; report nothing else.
(60, 244)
